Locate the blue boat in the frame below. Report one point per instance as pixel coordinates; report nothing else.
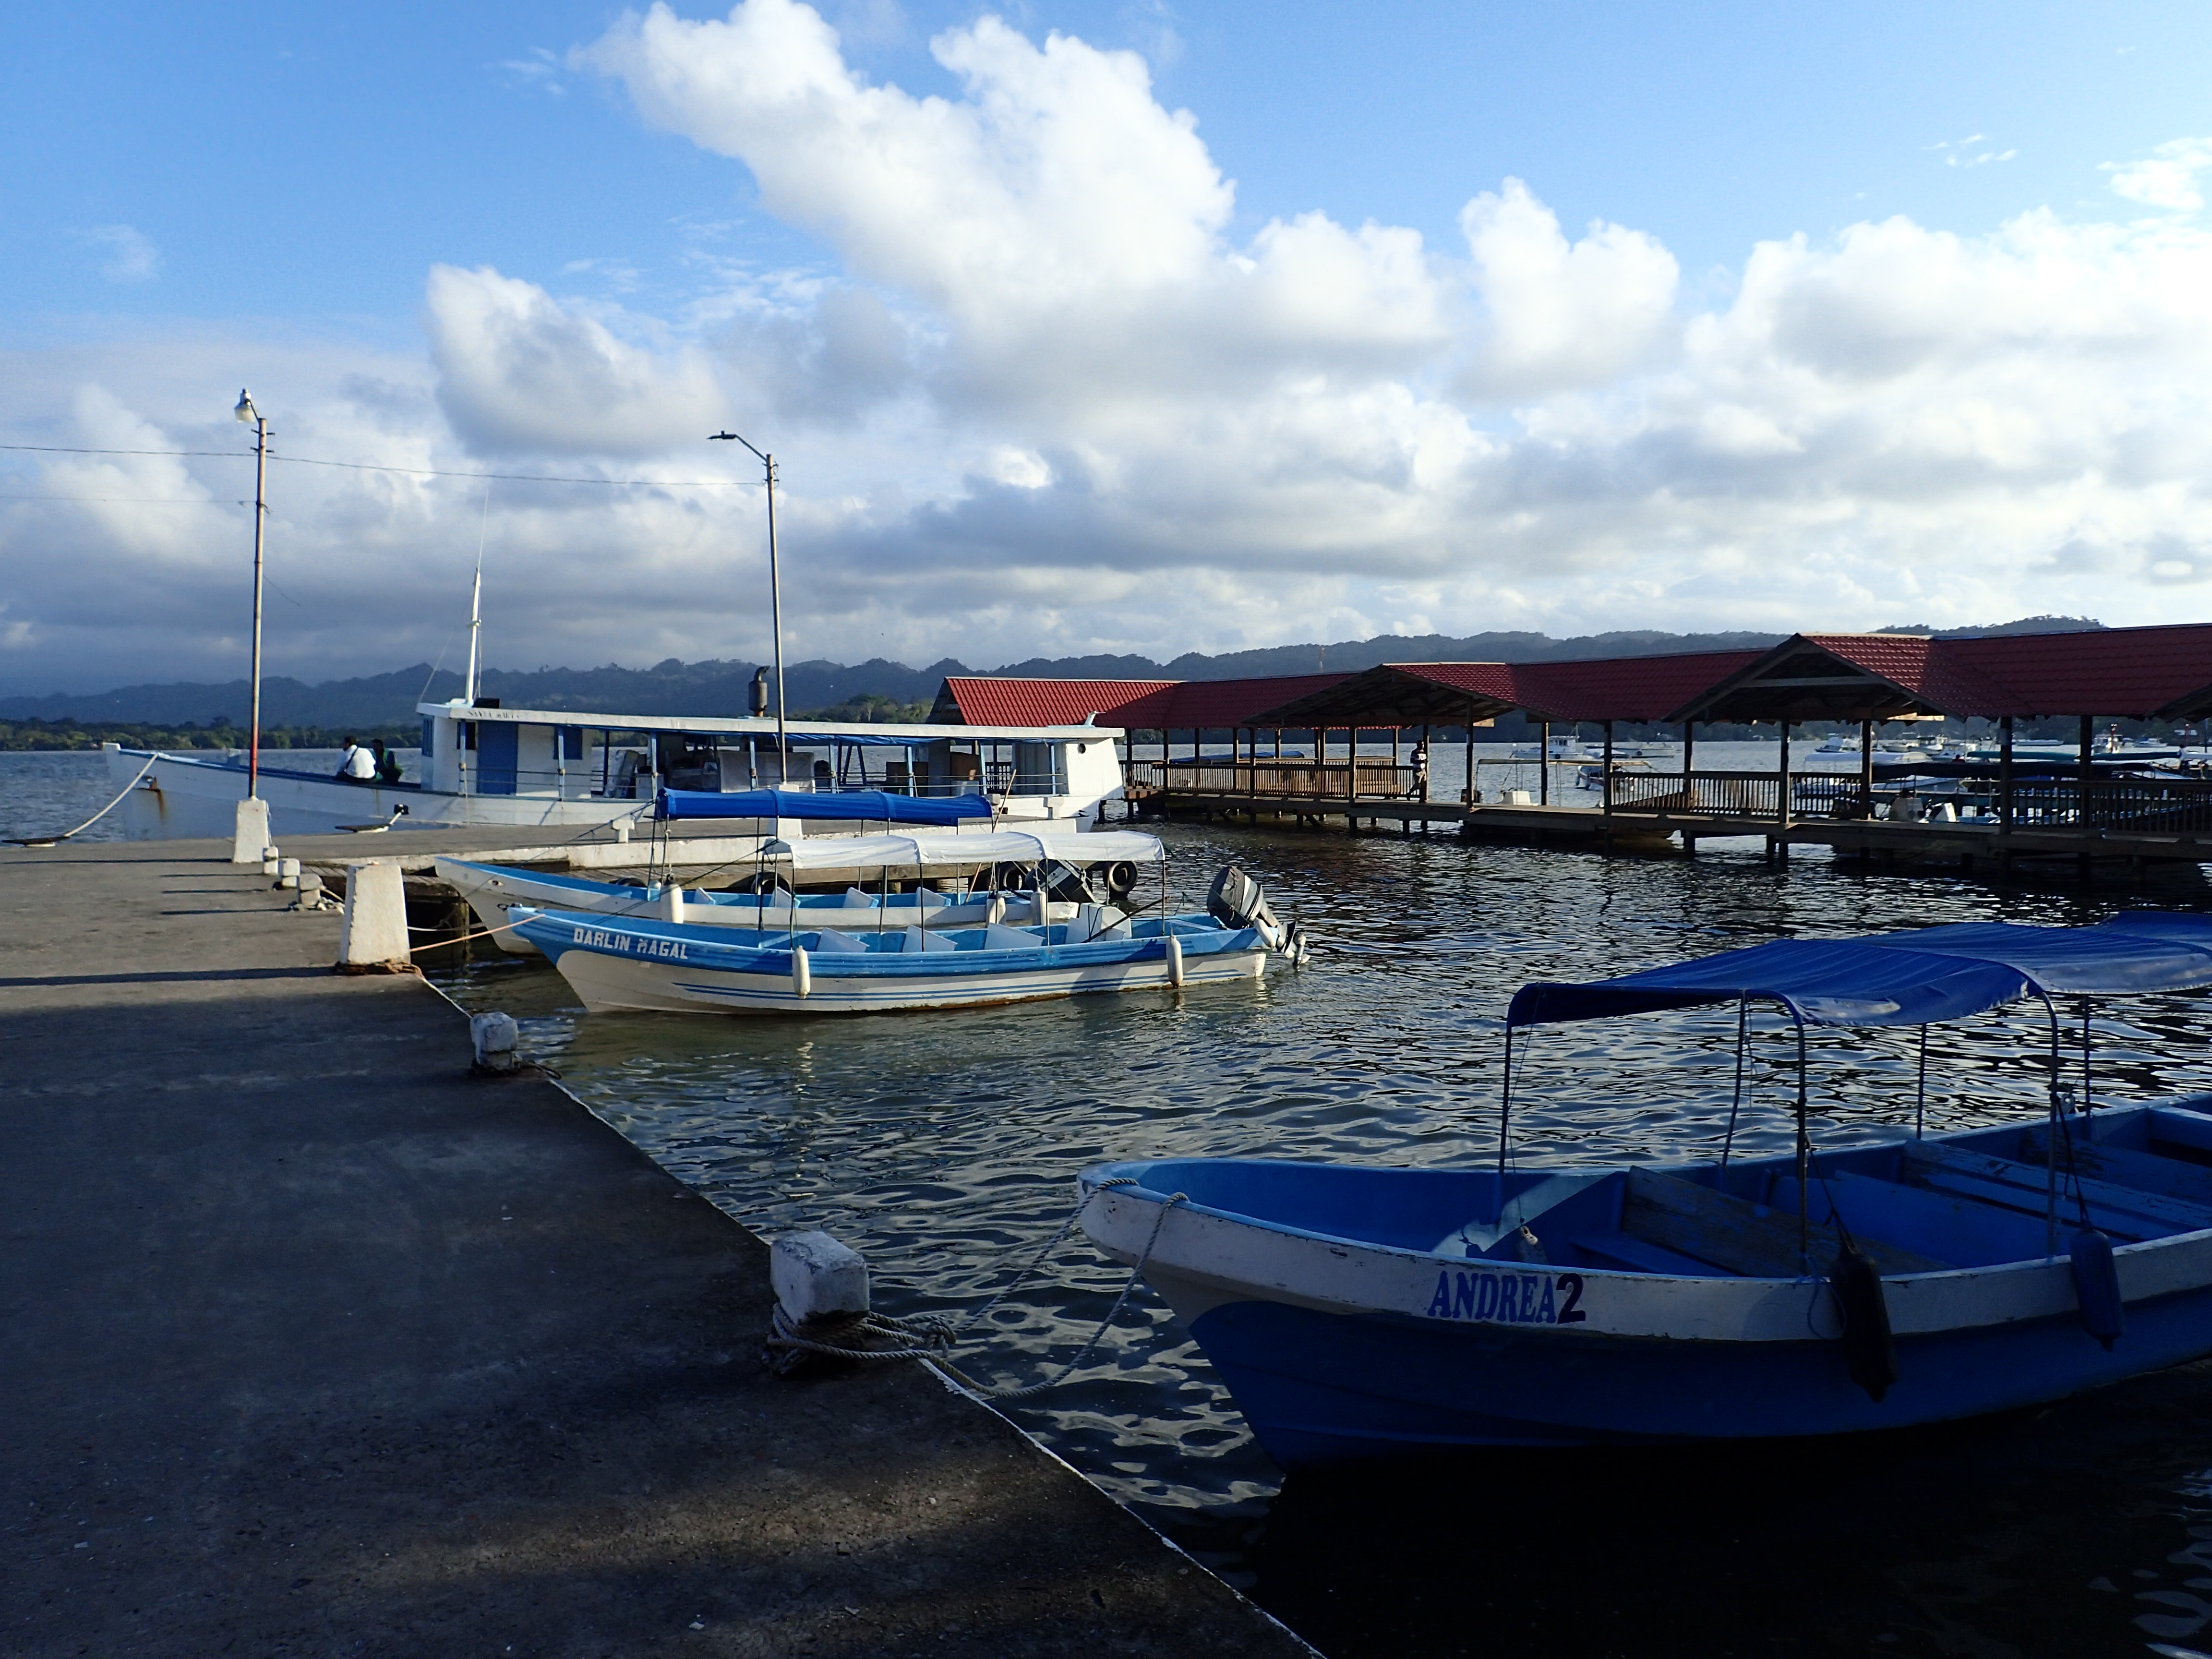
(1366, 1312)
(860, 960)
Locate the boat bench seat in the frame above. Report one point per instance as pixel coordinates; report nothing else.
(2126, 1212)
(2145, 1172)
(1739, 1236)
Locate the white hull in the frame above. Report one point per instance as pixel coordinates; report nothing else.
(185, 798)
(609, 983)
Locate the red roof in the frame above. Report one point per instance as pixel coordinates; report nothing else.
(2128, 672)
(983, 700)
(1608, 689)
(1142, 705)
(2133, 672)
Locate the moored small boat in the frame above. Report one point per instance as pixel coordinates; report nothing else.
(1360, 1313)
(676, 965)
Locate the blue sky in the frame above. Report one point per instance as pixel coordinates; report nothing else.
(194, 197)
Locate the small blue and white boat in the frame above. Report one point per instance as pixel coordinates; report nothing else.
(1361, 1313)
(1082, 868)
(871, 966)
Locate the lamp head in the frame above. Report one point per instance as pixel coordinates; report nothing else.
(246, 410)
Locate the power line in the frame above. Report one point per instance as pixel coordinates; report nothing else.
(372, 466)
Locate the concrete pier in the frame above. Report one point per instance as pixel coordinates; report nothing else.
(316, 1345)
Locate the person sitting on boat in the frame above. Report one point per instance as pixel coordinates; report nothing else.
(387, 763)
(358, 766)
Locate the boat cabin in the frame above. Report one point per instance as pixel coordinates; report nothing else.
(483, 749)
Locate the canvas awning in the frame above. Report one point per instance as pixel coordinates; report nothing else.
(1020, 847)
(1913, 978)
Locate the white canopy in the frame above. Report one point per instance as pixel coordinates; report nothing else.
(997, 847)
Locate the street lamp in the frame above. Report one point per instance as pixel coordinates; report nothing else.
(247, 411)
(775, 596)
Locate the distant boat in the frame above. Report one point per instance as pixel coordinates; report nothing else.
(1374, 1312)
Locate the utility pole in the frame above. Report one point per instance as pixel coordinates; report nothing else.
(775, 595)
(247, 411)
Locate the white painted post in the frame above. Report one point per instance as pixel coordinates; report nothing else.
(374, 930)
(249, 837)
(814, 1277)
(494, 1036)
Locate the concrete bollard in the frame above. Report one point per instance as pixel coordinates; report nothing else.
(250, 832)
(495, 1036)
(621, 832)
(288, 872)
(817, 1278)
(374, 933)
(270, 859)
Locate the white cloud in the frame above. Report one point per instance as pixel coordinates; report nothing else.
(519, 372)
(2167, 177)
(130, 255)
(1561, 315)
(1043, 393)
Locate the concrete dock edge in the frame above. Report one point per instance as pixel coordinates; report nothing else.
(318, 1344)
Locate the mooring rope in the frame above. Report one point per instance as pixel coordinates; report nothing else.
(55, 841)
(930, 1336)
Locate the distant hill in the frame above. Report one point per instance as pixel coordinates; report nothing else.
(718, 687)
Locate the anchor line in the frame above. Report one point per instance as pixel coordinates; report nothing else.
(54, 841)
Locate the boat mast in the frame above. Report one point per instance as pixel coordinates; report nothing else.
(476, 605)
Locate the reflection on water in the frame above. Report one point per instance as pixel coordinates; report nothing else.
(944, 1148)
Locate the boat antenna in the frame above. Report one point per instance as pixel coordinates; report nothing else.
(476, 602)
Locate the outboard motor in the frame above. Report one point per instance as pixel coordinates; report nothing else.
(1237, 901)
(1064, 883)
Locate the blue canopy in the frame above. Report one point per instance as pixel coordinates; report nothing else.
(1913, 978)
(873, 806)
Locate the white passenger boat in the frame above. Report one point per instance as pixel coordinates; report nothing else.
(483, 764)
(678, 966)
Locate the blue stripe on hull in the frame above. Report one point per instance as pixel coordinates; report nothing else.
(1320, 1388)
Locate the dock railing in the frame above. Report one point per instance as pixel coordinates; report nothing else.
(1286, 780)
(2134, 805)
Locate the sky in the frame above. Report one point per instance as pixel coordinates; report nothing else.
(1090, 327)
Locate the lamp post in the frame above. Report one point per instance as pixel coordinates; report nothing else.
(775, 596)
(247, 411)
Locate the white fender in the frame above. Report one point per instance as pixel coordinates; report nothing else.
(802, 976)
(671, 901)
(1175, 962)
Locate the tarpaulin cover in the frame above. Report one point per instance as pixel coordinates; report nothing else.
(855, 804)
(1913, 978)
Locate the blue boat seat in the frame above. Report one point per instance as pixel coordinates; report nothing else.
(830, 942)
(1754, 1240)
(2147, 1172)
(2125, 1212)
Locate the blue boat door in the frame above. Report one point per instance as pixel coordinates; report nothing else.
(495, 756)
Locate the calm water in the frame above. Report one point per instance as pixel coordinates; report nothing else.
(43, 791)
(944, 1148)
